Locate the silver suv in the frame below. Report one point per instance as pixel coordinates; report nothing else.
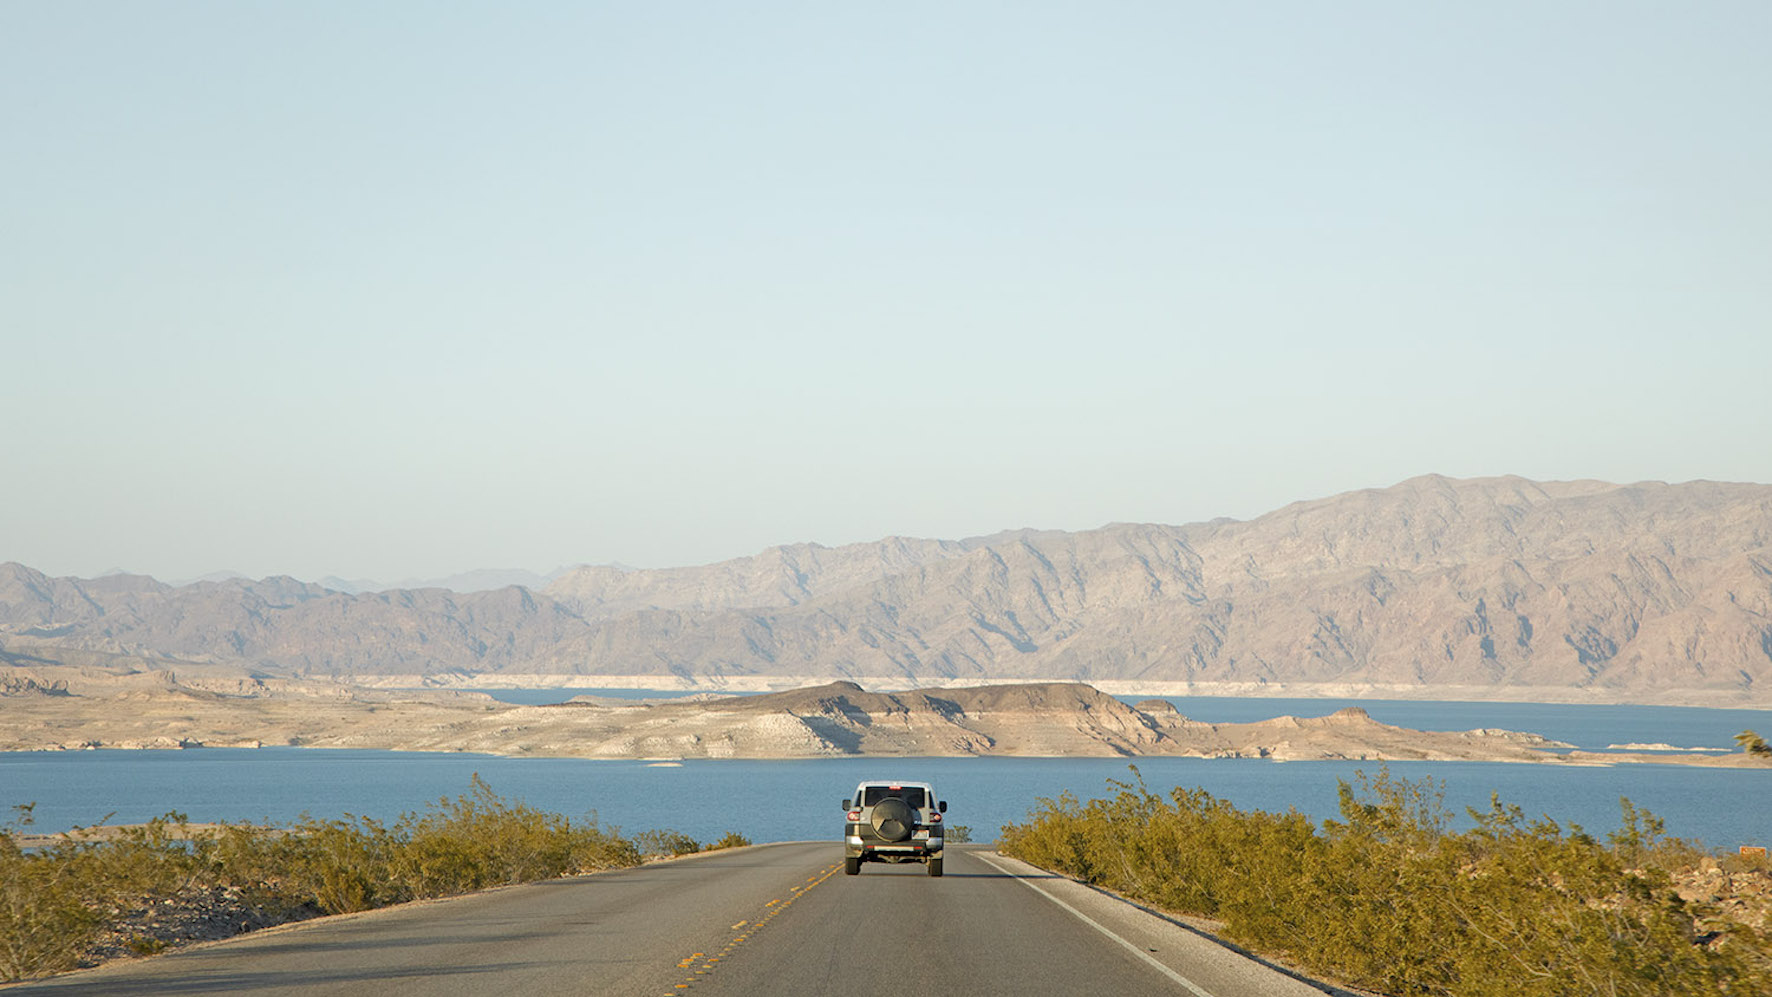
(893, 822)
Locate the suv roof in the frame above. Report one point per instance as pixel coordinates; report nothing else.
(895, 783)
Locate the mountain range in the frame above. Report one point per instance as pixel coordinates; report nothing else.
(1450, 588)
(479, 580)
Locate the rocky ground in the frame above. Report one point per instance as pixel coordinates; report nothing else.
(1737, 891)
(193, 914)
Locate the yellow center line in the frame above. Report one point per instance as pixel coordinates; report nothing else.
(750, 927)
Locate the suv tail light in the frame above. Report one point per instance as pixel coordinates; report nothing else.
(854, 815)
(935, 818)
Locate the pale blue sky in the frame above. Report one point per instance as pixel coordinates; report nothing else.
(403, 289)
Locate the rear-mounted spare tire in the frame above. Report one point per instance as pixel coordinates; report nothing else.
(893, 819)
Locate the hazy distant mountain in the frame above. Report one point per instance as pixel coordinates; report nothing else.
(213, 576)
(1646, 591)
(482, 580)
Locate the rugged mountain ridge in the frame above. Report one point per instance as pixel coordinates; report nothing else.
(1645, 592)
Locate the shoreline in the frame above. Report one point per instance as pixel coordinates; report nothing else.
(752, 684)
(166, 710)
(1574, 758)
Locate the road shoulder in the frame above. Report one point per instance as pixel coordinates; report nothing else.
(1200, 963)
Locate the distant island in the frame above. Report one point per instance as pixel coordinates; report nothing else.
(216, 706)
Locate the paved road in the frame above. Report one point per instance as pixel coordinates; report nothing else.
(774, 919)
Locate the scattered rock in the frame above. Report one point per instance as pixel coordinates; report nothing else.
(24, 685)
(194, 914)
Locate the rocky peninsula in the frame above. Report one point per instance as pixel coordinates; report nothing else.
(60, 708)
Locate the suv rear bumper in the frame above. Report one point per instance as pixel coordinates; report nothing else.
(855, 846)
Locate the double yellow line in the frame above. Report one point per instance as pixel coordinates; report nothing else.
(745, 929)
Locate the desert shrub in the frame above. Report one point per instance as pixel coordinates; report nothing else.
(348, 865)
(1745, 862)
(480, 840)
(1388, 898)
(595, 848)
(471, 842)
(56, 901)
(731, 839)
(260, 862)
(47, 914)
(665, 844)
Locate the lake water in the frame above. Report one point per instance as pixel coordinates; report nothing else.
(1590, 727)
(798, 800)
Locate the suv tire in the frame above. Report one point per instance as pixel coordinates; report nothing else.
(893, 819)
(851, 866)
(935, 867)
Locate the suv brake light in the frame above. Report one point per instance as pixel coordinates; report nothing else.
(854, 815)
(935, 818)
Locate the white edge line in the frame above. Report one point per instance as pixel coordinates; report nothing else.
(1190, 985)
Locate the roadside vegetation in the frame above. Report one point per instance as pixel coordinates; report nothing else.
(82, 896)
(1390, 899)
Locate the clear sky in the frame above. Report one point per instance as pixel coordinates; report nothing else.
(403, 289)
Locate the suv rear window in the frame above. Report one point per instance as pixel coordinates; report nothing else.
(912, 795)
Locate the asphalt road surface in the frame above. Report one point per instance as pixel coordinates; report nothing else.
(773, 919)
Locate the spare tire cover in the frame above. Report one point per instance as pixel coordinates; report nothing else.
(892, 819)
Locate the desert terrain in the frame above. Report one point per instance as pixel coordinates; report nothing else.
(62, 709)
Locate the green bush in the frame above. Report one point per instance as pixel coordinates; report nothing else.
(1387, 898)
(665, 844)
(55, 902)
(469, 843)
(48, 913)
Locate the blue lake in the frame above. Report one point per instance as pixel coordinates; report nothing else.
(797, 800)
(1590, 727)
